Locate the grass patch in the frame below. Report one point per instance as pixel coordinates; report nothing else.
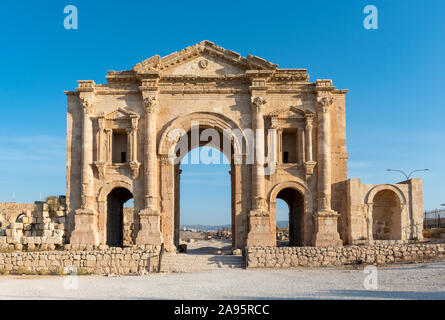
(42, 272)
(23, 271)
(58, 272)
(83, 272)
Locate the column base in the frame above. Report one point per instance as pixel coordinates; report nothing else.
(259, 230)
(85, 227)
(150, 221)
(326, 234)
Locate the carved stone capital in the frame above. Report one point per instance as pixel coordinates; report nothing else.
(134, 167)
(151, 105)
(274, 123)
(258, 104)
(100, 166)
(309, 121)
(88, 106)
(309, 168)
(325, 104)
(134, 122)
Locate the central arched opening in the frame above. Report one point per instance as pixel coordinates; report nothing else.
(204, 192)
(204, 209)
(294, 201)
(116, 200)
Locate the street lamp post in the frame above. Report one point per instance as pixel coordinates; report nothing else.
(407, 176)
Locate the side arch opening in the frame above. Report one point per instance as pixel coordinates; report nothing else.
(295, 202)
(115, 216)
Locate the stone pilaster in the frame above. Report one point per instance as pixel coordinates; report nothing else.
(325, 218)
(85, 219)
(150, 217)
(260, 233)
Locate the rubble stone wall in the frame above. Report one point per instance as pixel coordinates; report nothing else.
(285, 257)
(32, 226)
(107, 261)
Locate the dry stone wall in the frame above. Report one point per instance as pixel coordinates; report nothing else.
(285, 257)
(106, 261)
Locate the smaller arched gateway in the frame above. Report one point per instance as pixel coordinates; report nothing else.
(115, 217)
(384, 212)
(386, 216)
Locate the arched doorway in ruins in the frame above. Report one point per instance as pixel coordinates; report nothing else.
(115, 233)
(386, 216)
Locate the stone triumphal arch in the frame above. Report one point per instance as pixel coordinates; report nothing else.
(123, 136)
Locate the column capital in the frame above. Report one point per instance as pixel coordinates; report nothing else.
(151, 104)
(325, 104)
(134, 121)
(258, 104)
(309, 117)
(88, 106)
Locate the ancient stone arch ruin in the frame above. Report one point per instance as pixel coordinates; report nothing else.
(119, 137)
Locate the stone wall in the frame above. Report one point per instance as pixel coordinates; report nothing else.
(32, 226)
(106, 261)
(285, 257)
(9, 211)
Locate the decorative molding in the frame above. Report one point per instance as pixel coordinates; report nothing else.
(164, 160)
(203, 64)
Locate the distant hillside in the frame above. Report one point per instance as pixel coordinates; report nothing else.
(205, 227)
(280, 224)
(283, 224)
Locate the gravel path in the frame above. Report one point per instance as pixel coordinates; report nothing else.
(416, 281)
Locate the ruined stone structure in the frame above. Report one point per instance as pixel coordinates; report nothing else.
(37, 226)
(119, 142)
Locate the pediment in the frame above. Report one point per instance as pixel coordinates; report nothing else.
(291, 112)
(204, 58)
(120, 114)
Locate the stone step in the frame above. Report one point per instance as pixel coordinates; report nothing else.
(190, 263)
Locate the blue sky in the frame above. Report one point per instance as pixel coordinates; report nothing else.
(395, 107)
